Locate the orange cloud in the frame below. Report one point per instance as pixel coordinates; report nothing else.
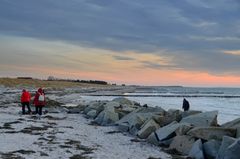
(232, 52)
(140, 76)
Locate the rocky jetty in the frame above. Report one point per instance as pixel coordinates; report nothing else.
(193, 134)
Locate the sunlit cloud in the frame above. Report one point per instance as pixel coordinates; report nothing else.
(232, 52)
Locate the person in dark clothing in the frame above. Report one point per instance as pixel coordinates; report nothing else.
(25, 100)
(185, 105)
(39, 101)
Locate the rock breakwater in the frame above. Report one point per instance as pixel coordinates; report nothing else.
(193, 134)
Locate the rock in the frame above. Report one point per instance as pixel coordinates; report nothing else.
(183, 129)
(136, 123)
(175, 114)
(233, 151)
(133, 130)
(135, 119)
(92, 113)
(104, 112)
(238, 132)
(152, 138)
(166, 132)
(226, 142)
(126, 106)
(124, 127)
(211, 148)
(196, 151)
(232, 124)
(96, 105)
(99, 118)
(190, 112)
(165, 143)
(123, 101)
(52, 103)
(112, 105)
(124, 111)
(147, 128)
(182, 144)
(164, 118)
(110, 116)
(208, 133)
(202, 120)
(74, 110)
(56, 109)
(153, 110)
(158, 119)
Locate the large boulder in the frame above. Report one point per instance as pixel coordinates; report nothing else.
(190, 112)
(238, 132)
(226, 142)
(76, 109)
(233, 151)
(211, 148)
(95, 105)
(164, 133)
(92, 113)
(182, 144)
(183, 129)
(175, 114)
(147, 128)
(153, 110)
(232, 124)
(202, 120)
(52, 103)
(124, 101)
(153, 139)
(99, 118)
(208, 133)
(133, 121)
(108, 116)
(196, 151)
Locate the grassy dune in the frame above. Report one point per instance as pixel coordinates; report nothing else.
(14, 82)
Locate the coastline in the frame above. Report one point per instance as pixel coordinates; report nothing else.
(61, 135)
(69, 114)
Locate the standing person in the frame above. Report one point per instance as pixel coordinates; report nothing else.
(185, 105)
(25, 100)
(39, 101)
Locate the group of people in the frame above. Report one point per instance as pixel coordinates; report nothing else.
(39, 101)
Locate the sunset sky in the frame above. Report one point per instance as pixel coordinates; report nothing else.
(146, 42)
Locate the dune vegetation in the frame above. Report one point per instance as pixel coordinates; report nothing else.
(16, 82)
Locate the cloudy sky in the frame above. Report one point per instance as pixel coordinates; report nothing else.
(150, 42)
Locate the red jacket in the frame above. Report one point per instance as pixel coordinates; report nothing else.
(26, 97)
(36, 98)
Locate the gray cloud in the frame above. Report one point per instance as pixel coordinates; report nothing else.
(154, 65)
(123, 58)
(192, 31)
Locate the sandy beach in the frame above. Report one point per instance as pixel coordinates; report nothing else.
(62, 135)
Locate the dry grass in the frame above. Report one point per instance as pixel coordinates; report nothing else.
(14, 82)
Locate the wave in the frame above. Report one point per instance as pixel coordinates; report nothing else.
(189, 96)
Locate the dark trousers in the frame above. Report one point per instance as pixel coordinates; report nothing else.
(39, 109)
(23, 107)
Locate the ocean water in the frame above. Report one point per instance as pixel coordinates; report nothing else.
(225, 100)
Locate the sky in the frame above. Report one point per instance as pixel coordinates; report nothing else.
(144, 42)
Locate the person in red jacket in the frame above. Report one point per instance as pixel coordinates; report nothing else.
(25, 100)
(39, 101)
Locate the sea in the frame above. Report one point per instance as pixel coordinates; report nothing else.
(225, 100)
